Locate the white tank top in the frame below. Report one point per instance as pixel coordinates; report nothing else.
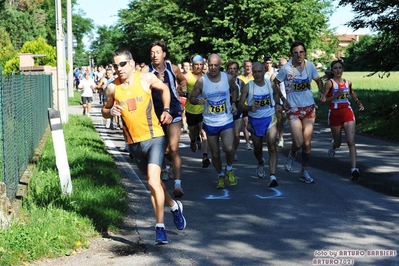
(263, 97)
(217, 108)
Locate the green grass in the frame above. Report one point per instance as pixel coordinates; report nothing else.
(75, 100)
(52, 225)
(380, 98)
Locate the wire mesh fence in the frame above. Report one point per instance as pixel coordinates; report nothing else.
(24, 100)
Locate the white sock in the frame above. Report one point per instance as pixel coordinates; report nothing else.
(174, 207)
(160, 225)
(229, 168)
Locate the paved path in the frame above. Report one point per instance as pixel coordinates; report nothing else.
(252, 224)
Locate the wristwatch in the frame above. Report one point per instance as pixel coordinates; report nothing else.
(166, 110)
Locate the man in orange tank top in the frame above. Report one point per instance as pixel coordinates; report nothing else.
(130, 96)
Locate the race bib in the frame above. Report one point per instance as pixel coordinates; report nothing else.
(262, 100)
(218, 107)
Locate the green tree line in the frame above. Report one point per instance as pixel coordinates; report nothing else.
(239, 29)
(23, 21)
(243, 29)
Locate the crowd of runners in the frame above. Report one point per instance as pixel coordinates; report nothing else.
(214, 103)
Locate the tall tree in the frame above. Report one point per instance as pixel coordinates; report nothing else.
(7, 50)
(24, 21)
(105, 43)
(239, 29)
(380, 16)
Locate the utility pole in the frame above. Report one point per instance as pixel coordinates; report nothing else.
(61, 73)
(70, 48)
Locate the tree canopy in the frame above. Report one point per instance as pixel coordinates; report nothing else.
(236, 29)
(380, 16)
(27, 20)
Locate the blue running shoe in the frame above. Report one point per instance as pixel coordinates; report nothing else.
(160, 236)
(178, 218)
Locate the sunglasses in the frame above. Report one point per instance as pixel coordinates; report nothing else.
(121, 64)
(298, 52)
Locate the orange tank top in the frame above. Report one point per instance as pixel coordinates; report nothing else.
(140, 122)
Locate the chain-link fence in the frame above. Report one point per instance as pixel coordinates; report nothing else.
(24, 100)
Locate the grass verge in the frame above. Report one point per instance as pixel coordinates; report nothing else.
(51, 224)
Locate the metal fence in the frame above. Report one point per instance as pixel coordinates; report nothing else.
(24, 100)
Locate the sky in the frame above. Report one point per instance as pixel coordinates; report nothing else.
(104, 12)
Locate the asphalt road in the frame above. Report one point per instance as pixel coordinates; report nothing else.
(334, 221)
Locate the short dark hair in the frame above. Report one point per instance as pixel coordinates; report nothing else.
(231, 62)
(160, 44)
(336, 62)
(297, 43)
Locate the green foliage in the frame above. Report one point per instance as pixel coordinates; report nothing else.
(96, 181)
(43, 232)
(11, 66)
(105, 44)
(369, 54)
(38, 46)
(7, 50)
(244, 29)
(24, 22)
(41, 47)
(51, 224)
(381, 17)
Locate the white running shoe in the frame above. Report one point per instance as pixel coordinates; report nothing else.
(260, 169)
(331, 150)
(280, 143)
(305, 177)
(290, 162)
(248, 146)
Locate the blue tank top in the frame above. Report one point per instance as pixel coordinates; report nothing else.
(170, 81)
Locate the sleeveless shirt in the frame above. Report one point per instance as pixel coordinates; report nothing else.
(139, 118)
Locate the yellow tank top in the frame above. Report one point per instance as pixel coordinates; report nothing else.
(245, 79)
(191, 108)
(140, 122)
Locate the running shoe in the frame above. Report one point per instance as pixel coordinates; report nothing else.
(305, 177)
(355, 174)
(260, 169)
(108, 123)
(205, 162)
(290, 162)
(331, 150)
(160, 236)
(165, 174)
(231, 177)
(193, 146)
(178, 192)
(273, 181)
(248, 146)
(221, 182)
(235, 157)
(178, 218)
(280, 143)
